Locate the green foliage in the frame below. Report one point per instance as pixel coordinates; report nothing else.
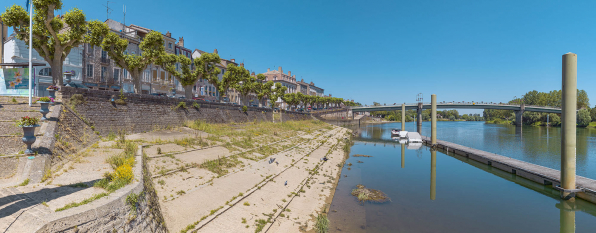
(322, 225)
(583, 118)
(244, 109)
(122, 99)
(76, 99)
(27, 121)
(277, 92)
(25, 182)
(196, 105)
(152, 49)
(593, 113)
(86, 201)
(53, 37)
(44, 99)
(181, 104)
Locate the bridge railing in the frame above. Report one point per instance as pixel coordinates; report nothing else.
(471, 103)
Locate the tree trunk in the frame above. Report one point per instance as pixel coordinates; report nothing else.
(136, 81)
(57, 78)
(188, 92)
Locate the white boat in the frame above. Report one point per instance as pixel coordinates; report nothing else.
(395, 131)
(403, 134)
(414, 137)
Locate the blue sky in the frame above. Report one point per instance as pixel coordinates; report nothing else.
(386, 51)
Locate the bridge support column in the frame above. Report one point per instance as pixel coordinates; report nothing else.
(519, 115)
(419, 120)
(433, 174)
(568, 125)
(433, 119)
(403, 117)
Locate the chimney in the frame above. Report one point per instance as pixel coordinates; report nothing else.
(215, 51)
(181, 42)
(168, 34)
(280, 70)
(242, 64)
(268, 69)
(289, 73)
(233, 60)
(253, 73)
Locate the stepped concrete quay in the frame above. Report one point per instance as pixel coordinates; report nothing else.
(533, 172)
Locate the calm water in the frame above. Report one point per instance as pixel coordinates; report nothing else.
(538, 145)
(467, 196)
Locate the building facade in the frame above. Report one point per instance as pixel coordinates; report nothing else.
(16, 51)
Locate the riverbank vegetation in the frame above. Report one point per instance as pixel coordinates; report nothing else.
(446, 115)
(585, 115)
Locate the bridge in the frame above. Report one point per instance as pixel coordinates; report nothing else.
(518, 109)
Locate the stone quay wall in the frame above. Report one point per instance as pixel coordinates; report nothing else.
(143, 113)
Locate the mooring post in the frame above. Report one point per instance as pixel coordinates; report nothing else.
(419, 123)
(433, 174)
(403, 152)
(566, 216)
(403, 117)
(568, 127)
(433, 119)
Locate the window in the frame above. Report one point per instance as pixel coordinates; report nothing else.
(104, 54)
(177, 51)
(125, 74)
(170, 45)
(90, 70)
(116, 75)
(104, 73)
(45, 72)
(90, 50)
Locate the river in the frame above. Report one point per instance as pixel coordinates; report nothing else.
(459, 195)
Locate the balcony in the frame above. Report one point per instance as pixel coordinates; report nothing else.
(105, 60)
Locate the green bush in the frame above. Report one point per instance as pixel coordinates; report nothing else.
(196, 105)
(244, 109)
(76, 99)
(583, 118)
(180, 105)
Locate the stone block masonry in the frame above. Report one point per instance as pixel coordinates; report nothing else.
(144, 113)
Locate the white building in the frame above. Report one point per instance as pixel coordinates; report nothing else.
(16, 51)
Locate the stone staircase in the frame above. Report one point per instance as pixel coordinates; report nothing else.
(19, 212)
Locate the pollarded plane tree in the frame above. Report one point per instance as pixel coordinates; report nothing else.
(151, 50)
(190, 71)
(53, 37)
(245, 83)
(263, 89)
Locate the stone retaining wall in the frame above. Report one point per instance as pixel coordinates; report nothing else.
(143, 113)
(114, 214)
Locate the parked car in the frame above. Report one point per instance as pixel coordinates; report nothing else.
(254, 105)
(198, 98)
(181, 97)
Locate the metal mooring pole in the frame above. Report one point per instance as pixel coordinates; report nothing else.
(403, 116)
(568, 128)
(433, 119)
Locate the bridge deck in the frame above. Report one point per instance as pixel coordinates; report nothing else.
(533, 172)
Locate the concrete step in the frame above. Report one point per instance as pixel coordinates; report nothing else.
(19, 107)
(20, 213)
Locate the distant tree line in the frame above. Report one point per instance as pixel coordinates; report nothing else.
(446, 115)
(585, 114)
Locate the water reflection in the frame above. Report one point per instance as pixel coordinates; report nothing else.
(403, 155)
(567, 216)
(433, 174)
(494, 200)
(538, 145)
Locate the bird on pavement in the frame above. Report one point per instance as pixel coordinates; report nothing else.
(286, 183)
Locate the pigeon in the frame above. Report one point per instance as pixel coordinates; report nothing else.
(285, 184)
(271, 160)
